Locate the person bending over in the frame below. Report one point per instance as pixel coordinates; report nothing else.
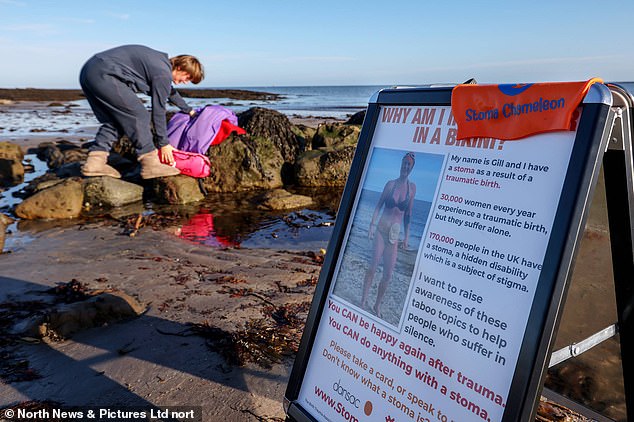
(397, 201)
(110, 81)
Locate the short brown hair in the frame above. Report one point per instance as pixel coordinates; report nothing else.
(189, 64)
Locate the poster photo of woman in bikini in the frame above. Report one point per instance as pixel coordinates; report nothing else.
(389, 221)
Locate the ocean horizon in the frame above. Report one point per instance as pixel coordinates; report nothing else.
(333, 101)
(323, 101)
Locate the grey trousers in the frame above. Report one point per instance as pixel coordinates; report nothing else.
(117, 108)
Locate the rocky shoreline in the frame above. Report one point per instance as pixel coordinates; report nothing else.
(273, 156)
(39, 94)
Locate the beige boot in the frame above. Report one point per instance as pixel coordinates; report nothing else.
(152, 167)
(97, 165)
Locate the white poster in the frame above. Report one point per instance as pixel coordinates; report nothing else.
(432, 291)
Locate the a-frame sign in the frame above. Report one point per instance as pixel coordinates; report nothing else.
(444, 279)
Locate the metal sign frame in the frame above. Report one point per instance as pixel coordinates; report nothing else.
(618, 170)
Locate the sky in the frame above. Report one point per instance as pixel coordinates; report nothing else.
(248, 43)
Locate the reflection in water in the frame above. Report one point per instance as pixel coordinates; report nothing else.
(233, 220)
(305, 229)
(200, 229)
(221, 220)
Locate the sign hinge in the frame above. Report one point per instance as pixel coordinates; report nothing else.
(575, 349)
(616, 141)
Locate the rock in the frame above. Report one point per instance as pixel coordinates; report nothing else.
(125, 148)
(11, 171)
(176, 189)
(357, 118)
(328, 163)
(280, 199)
(50, 152)
(5, 220)
(324, 166)
(262, 159)
(108, 192)
(58, 154)
(304, 134)
(46, 183)
(11, 168)
(244, 164)
(67, 319)
(273, 126)
(331, 134)
(11, 151)
(37, 184)
(63, 200)
(75, 155)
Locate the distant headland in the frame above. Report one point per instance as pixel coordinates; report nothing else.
(43, 94)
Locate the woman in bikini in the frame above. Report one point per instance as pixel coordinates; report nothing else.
(396, 200)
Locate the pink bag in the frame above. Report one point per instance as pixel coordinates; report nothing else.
(191, 163)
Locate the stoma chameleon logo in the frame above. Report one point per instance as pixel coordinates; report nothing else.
(513, 89)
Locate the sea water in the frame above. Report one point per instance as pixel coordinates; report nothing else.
(322, 101)
(75, 119)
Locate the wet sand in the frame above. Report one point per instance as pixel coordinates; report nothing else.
(154, 359)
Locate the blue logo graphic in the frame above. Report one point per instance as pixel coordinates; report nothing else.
(513, 89)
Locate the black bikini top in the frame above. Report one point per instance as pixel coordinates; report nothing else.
(391, 203)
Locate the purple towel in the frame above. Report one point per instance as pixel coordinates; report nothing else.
(196, 135)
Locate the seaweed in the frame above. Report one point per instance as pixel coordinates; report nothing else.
(264, 341)
(258, 342)
(134, 223)
(548, 411)
(13, 369)
(72, 291)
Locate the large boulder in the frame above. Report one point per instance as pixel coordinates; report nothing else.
(331, 134)
(179, 189)
(242, 164)
(108, 192)
(324, 167)
(11, 168)
(261, 159)
(262, 123)
(328, 163)
(62, 200)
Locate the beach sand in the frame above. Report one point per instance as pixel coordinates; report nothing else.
(154, 359)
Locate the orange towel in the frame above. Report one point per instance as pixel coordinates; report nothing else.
(510, 111)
